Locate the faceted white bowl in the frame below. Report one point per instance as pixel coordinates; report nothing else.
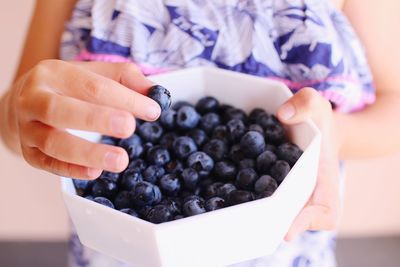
(217, 238)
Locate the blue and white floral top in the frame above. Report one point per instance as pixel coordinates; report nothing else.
(299, 42)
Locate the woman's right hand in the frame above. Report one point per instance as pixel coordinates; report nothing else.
(92, 96)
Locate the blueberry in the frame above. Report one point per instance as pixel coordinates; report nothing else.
(246, 178)
(209, 121)
(91, 198)
(170, 184)
(161, 95)
(236, 154)
(159, 214)
(158, 155)
(173, 205)
(82, 187)
(150, 131)
(184, 146)
(129, 211)
(252, 144)
(143, 211)
(223, 108)
(129, 179)
(265, 183)
(177, 105)
(144, 194)
(216, 149)
(265, 160)
(220, 132)
(255, 114)
(104, 188)
(266, 193)
(275, 134)
(235, 113)
(212, 190)
(109, 140)
(168, 139)
(247, 163)
(174, 167)
(236, 129)
(104, 201)
(224, 190)
(177, 217)
(190, 178)
(215, 203)
(207, 104)
(122, 200)
(201, 162)
(270, 147)
(132, 145)
(257, 128)
(152, 173)
(265, 120)
(204, 183)
(192, 196)
(239, 196)
(289, 153)
(137, 165)
(225, 170)
(199, 136)
(168, 119)
(187, 118)
(193, 206)
(146, 147)
(279, 170)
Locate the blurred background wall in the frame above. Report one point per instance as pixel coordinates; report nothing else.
(31, 206)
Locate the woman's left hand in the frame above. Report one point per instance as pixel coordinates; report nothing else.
(323, 208)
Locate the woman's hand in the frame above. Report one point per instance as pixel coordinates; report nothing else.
(322, 209)
(92, 96)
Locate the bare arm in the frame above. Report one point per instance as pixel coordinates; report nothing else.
(375, 131)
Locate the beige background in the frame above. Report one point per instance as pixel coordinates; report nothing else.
(31, 206)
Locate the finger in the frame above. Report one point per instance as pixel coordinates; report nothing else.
(72, 149)
(305, 104)
(127, 74)
(315, 217)
(39, 160)
(67, 112)
(77, 82)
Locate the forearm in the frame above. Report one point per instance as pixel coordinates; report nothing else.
(372, 132)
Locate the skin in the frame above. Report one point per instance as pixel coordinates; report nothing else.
(33, 127)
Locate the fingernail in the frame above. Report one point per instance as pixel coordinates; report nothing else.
(112, 160)
(286, 111)
(152, 112)
(118, 125)
(93, 173)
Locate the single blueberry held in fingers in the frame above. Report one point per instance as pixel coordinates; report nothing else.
(215, 203)
(193, 206)
(201, 162)
(209, 121)
(199, 136)
(129, 179)
(122, 200)
(152, 173)
(159, 214)
(130, 211)
(216, 149)
(144, 194)
(187, 118)
(190, 178)
(279, 170)
(252, 144)
(184, 146)
(289, 153)
(265, 183)
(161, 95)
(158, 155)
(207, 104)
(104, 201)
(225, 171)
(239, 196)
(265, 161)
(104, 188)
(150, 131)
(246, 178)
(170, 184)
(168, 119)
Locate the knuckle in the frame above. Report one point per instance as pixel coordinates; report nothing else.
(48, 108)
(128, 68)
(91, 118)
(48, 142)
(94, 89)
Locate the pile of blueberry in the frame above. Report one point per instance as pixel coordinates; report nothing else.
(195, 159)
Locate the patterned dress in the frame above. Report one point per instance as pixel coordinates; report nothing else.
(298, 42)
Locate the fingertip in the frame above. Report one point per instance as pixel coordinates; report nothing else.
(286, 112)
(153, 111)
(93, 173)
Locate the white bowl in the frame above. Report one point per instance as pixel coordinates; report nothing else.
(217, 238)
